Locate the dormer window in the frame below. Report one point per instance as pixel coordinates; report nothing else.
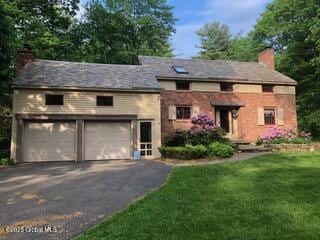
(180, 69)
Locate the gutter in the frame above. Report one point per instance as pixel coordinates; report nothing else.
(91, 89)
(225, 79)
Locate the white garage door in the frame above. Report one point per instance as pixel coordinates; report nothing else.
(50, 141)
(107, 140)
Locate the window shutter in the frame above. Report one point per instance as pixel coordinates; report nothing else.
(195, 111)
(172, 112)
(260, 116)
(280, 116)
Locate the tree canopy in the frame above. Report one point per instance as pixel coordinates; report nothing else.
(118, 31)
(292, 28)
(214, 40)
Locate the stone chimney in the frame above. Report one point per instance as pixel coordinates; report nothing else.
(267, 58)
(25, 56)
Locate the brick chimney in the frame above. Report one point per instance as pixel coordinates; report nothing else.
(267, 58)
(25, 55)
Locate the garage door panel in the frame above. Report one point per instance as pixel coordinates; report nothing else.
(54, 141)
(107, 140)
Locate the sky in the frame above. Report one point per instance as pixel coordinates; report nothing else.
(239, 15)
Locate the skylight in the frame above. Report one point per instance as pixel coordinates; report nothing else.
(180, 69)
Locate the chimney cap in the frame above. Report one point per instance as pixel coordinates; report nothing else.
(267, 48)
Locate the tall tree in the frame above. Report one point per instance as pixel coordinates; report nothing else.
(214, 40)
(292, 27)
(243, 49)
(118, 31)
(6, 74)
(43, 24)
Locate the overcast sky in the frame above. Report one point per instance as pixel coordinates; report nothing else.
(239, 15)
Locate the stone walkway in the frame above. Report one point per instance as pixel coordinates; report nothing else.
(235, 158)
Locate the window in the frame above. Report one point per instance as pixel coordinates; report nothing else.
(54, 99)
(226, 87)
(104, 101)
(145, 139)
(183, 112)
(182, 85)
(267, 88)
(180, 69)
(269, 117)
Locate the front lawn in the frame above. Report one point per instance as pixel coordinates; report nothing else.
(270, 197)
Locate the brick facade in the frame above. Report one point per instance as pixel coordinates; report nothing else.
(247, 120)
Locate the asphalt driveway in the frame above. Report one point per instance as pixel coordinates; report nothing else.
(70, 197)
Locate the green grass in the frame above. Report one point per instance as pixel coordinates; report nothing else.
(270, 197)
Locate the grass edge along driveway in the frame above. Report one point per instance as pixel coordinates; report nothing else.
(269, 197)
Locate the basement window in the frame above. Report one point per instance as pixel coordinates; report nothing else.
(54, 99)
(104, 101)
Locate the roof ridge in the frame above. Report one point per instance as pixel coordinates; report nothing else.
(88, 63)
(198, 59)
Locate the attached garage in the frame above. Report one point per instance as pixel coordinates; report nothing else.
(49, 141)
(107, 140)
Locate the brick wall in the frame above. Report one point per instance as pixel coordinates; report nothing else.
(248, 128)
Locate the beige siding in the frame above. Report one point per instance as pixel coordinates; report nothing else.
(168, 85)
(205, 86)
(247, 88)
(13, 138)
(144, 105)
(284, 89)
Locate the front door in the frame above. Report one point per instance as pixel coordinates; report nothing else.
(224, 120)
(146, 139)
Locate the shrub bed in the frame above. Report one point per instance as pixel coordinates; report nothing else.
(188, 152)
(278, 136)
(220, 150)
(287, 147)
(6, 161)
(202, 132)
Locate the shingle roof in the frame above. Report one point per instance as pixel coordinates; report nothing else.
(49, 73)
(87, 75)
(214, 70)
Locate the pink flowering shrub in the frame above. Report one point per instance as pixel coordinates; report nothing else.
(202, 122)
(203, 131)
(276, 135)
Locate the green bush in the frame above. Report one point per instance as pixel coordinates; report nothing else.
(206, 137)
(300, 140)
(176, 138)
(174, 152)
(259, 142)
(179, 138)
(198, 151)
(221, 150)
(187, 152)
(6, 161)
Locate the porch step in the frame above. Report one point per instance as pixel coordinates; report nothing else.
(240, 142)
(253, 148)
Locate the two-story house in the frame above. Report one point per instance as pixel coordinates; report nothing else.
(83, 111)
